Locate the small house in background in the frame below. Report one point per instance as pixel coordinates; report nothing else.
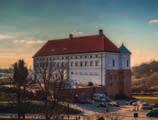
(90, 59)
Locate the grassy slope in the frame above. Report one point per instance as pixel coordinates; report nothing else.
(149, 99)
(145, 78)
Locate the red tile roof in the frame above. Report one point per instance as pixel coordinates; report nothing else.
(84, 44)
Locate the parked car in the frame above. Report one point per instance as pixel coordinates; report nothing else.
(114, 103)
(153, 113)
(79, 101)
(102, 104)
(147, 106)
(138, 102)
(70, 83)
(101, 97)
(155, 105)
(131, 102)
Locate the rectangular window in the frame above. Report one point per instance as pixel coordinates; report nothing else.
(96, 63)
(81, 64)
(62, 64)
(57, 64)
(76, 63)
(91, 63)
(113, 63)
(71, 63)
(127, 63)
(85, 63)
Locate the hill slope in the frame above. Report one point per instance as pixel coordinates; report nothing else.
(145, 77)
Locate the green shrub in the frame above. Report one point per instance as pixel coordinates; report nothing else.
(90, 84)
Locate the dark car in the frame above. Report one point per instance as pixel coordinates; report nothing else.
(156, 105)
(153, 113)
(79, 101)
(132, 101)
(103, 104)
(147, 106)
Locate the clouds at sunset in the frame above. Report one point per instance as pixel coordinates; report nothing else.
(13, 48)
(24, 28)
(29, 42)
(154, 21)
(6, 37)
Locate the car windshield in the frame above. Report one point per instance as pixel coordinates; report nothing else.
(145, 104)
(101, 97)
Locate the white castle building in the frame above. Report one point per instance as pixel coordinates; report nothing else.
(92, 58)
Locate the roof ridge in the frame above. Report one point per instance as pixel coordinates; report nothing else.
(111, 41)
(80, 44)
(74, 37)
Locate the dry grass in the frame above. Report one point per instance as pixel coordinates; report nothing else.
(149, 99)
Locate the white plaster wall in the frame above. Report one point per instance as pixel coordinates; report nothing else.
(84, 74)
(47, 59)
(109, 57)
(123, 61)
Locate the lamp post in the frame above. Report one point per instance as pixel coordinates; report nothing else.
(68, 106)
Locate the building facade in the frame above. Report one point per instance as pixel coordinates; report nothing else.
(91, 58)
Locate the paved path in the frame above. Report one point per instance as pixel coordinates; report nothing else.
(124, 112)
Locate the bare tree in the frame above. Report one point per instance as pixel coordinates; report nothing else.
(51, 81)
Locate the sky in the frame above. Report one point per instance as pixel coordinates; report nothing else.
(25, 25)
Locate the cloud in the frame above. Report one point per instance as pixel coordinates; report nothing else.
(7, 55)
(29, 42)
(6, 37)
(154, 21)
(77, 33)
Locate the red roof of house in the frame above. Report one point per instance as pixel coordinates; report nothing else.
(84, 44)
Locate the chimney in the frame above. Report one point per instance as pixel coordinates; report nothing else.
(70, 36)
(100, 32)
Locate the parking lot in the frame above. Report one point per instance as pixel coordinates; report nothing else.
(124, 112)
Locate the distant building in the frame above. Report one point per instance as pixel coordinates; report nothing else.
(92, 58)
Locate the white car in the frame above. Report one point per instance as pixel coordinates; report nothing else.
(114, 103)
(71, 83)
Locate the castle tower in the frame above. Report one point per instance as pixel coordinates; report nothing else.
(125, 72)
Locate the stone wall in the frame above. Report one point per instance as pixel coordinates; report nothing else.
(127, 82)
(82, 93)
(112, 83)
(118, 83)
